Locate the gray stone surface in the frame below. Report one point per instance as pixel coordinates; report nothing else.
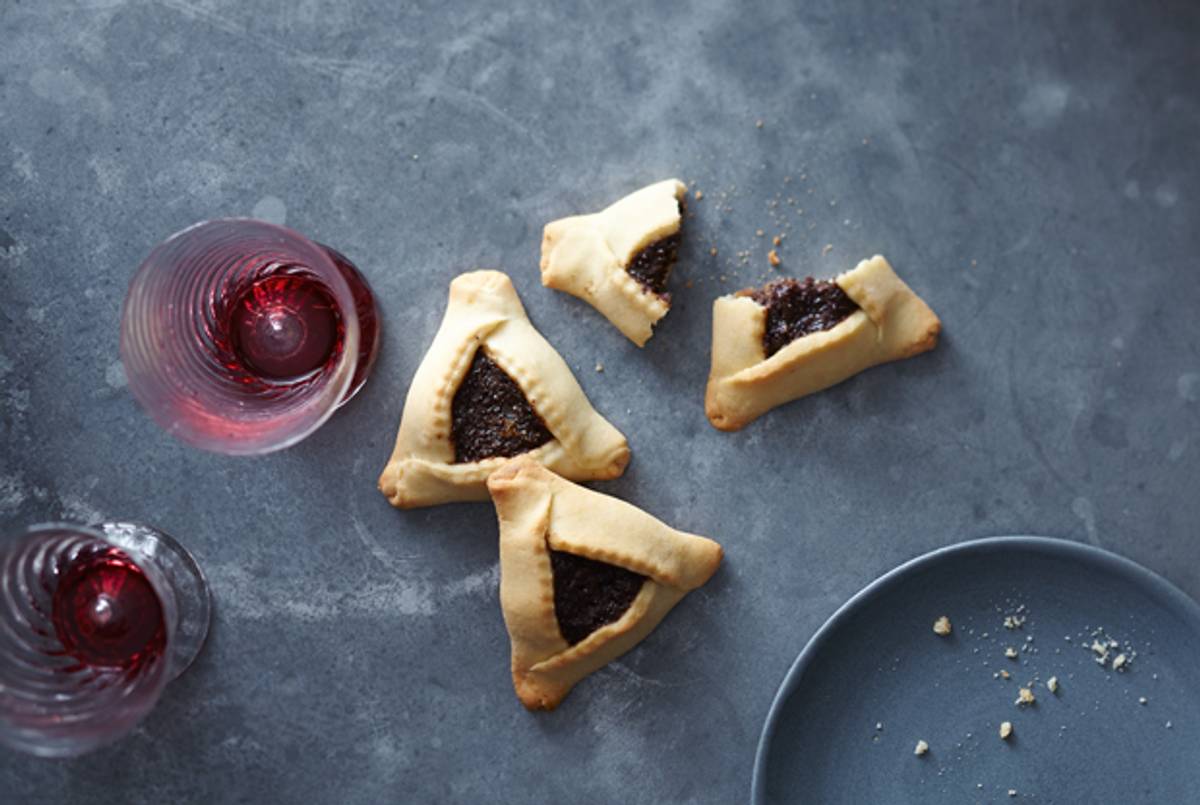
(1030, 169)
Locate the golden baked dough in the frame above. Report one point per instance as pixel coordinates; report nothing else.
(539, 511)
(587, 256)
(892, 323)
(485, 312)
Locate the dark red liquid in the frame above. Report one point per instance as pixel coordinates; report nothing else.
(285, 326)
(106, 612)
(368, 317)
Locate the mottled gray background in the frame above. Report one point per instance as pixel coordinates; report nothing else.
(1031, 169)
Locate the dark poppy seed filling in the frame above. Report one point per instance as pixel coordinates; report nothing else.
(490, 416)
(589, 594)
(799, 307)
(651, 267)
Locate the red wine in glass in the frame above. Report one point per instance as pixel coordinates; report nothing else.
(94, 622)
(106, 613)
(243, 337)
(285, 327)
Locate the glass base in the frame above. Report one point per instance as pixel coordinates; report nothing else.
(368, 320)
(192, 597)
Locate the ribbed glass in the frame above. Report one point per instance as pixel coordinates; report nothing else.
(53, 703)
(179, 349)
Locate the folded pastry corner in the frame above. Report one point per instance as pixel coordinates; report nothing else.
(584, 577)
(792, 338)
(619, 259)
(491, 388)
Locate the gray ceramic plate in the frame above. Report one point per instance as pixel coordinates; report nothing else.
(875, 679)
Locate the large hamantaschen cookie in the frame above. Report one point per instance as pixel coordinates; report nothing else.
(792, 338)
(584, 577)
(619, 259)
(490, 388)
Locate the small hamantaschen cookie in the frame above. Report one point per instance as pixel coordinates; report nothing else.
(618, 260)
(584, 577)
(792, 338)
(491, 388)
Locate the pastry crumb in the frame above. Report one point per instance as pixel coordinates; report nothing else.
(1142, 700)
(826, 249)
(1006, 730)
(775, 241)
(758, 124)
(773, 257)
(713, 251)
(599, 367)
(1010, 652)
(758, 233)
(1025, 696)
(699, 194)
(942, 627)
(1052, 684)
(1012, 792)
(921, 748)
(1109, 653)
(1004, 674)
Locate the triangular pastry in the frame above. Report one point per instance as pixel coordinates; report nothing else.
(490, 388)
(618, 260)
(791, 338)
(584, 577)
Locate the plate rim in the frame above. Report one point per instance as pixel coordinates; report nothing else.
(1055, 546)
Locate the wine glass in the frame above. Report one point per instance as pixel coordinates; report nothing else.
(94, 621)
(243, 337)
